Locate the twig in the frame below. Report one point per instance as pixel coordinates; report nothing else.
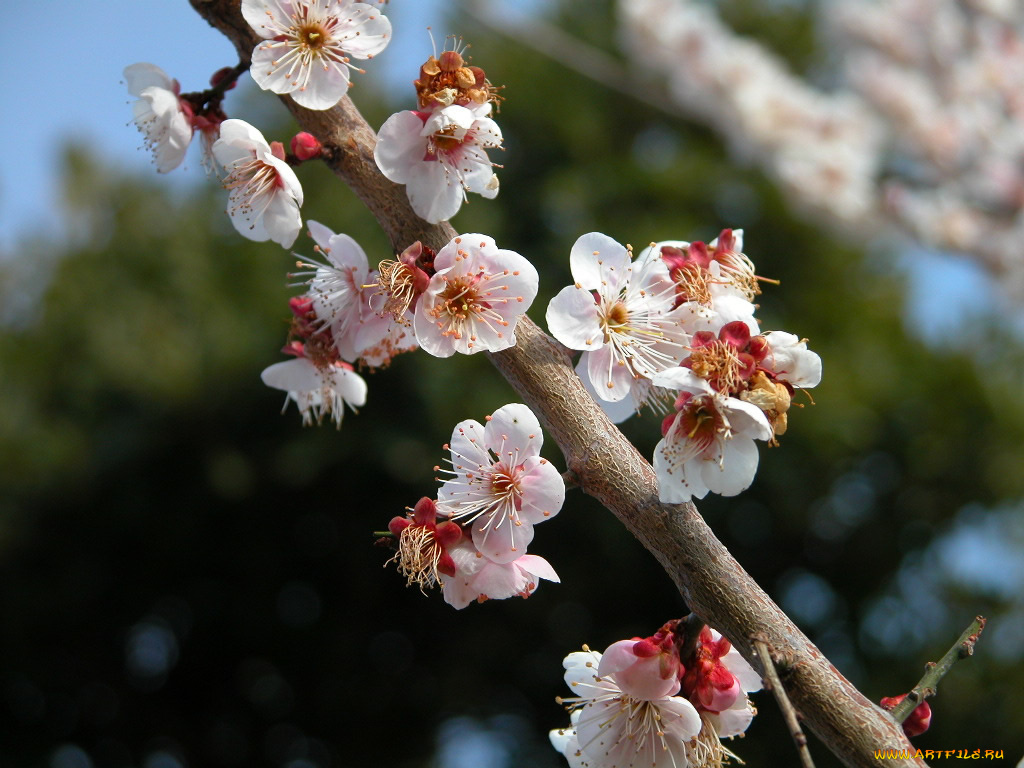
(774, 684)
(689, 630)
(928, 685)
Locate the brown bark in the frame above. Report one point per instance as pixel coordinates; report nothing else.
(605, 463)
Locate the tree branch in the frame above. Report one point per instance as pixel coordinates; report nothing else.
(606, 465)
(929, 684)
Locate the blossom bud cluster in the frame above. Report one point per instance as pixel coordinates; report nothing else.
(473, 539)
(675, 329)
(640, 704)
(439, 151)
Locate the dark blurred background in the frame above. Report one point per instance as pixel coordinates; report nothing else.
(188, 578)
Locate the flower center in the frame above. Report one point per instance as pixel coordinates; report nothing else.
(505, 485)
(313, 36)
(719, 363)
(701, 422)
(445, 140)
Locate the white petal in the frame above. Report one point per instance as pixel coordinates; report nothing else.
(321, 235)
(736, 471)
(145, 75)
(325, 87)
(611, 379)
(435, 194)
(599, 263)
(399, 146)
(373, 33)
(573, 318)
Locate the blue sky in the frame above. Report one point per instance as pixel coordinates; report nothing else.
(78, 94)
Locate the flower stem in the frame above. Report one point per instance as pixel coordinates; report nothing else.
(935, 671)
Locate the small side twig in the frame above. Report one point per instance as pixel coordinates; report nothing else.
(935, 671)
(687, 633)
(774, 684)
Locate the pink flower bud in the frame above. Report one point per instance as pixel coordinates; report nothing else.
(305, 146)
(918, 721)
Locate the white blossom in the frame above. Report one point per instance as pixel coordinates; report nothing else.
(619, 314)
(166, 128)
(613, 727)
(478, 578)
(439, 156)
(308, 45)
(475, 298)
(319, 392)
(709, 444)
(501, 485)
(265, 194)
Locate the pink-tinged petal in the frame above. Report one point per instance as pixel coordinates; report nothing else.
(500, 539)
(513, 433)
(736, 470)
(487, 132)
(325, 88)
(469, 447)
(537, 566)
(399, 146)
(446, 119)
(345, 253)
(373, 32)
(617, 657)
(477, 171)
(680, 718)
(750, 681)
(138, 77)
(458, 589)
(435, 194)
(734, 721)
(321, 235)
(543, 490)
(612, 379)
(428, 336)
(599, 263)
(573, 318)
(622, 409)
(580, 673)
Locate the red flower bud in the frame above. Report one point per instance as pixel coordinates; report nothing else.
(305, 146)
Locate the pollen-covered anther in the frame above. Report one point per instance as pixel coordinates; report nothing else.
(773, 398)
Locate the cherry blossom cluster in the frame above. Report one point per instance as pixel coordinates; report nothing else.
(439, 150)
(473, 539)
(924, 131)
(467, 298)
(640, 705)
(675, 329)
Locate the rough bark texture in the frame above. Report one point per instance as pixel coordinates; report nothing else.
(606, 464)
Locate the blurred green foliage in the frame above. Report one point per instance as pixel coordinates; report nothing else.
(184, 572)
